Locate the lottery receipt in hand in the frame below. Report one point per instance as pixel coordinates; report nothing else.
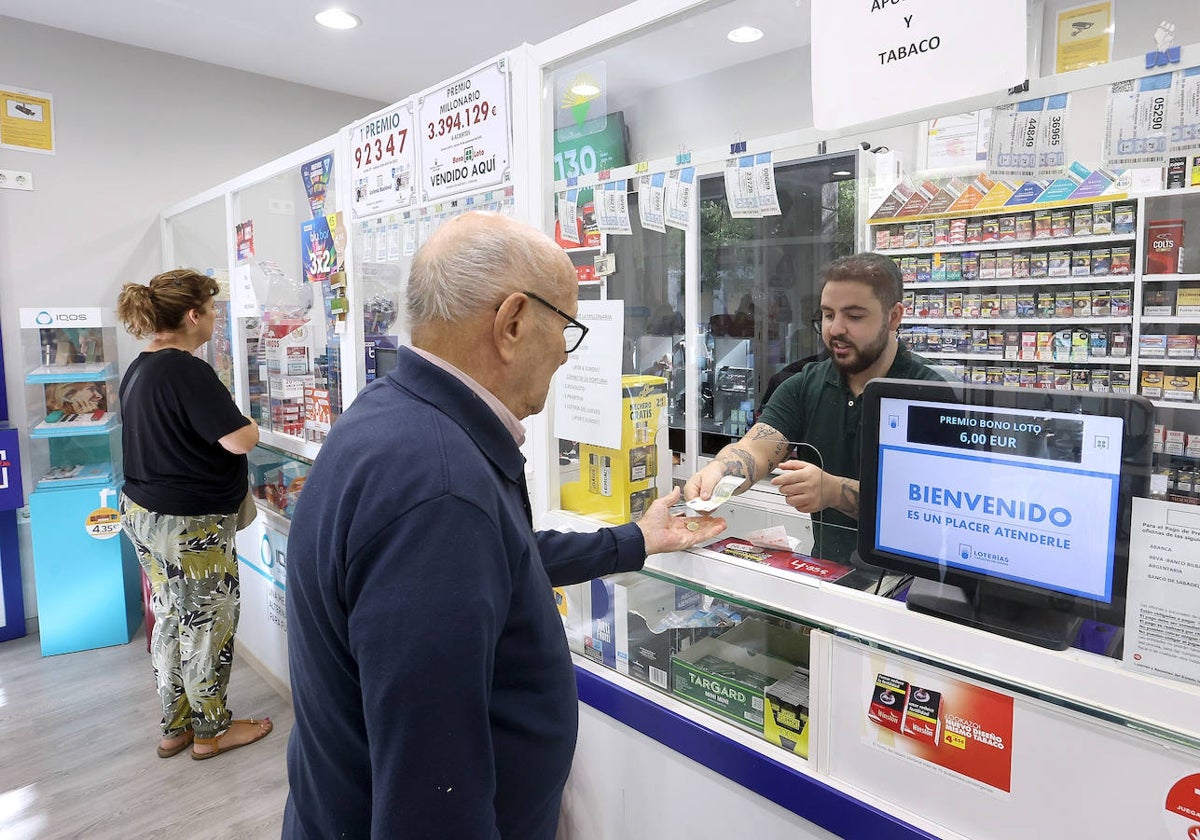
(720, 495)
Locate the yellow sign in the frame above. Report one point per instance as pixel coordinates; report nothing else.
(26, 120)
(103, 523)
(1084, 37)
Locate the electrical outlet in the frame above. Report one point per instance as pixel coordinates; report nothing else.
(11, 179)
(280, 206)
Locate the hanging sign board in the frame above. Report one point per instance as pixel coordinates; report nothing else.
(383, 160)
(464, 132)
(874, 58)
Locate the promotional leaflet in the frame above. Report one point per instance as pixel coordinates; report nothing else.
(613, 214)
(383, 161)
(741, 188)
(764, 185)
(322, 254)
(1162, 616)
(1052, 137)
(651, 201)
(1013, 149)
(1083, 37)
(1185, 112)
(957, 142)
(315, 175)
(1136, 128)
(568, 217)
(587, 389)
(26, 120)
(464, 130)
(678, 192)
(930, 718)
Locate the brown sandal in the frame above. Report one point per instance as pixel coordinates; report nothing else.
(215, 741)
(167, 752)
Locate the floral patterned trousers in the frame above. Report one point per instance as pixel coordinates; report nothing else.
(192, 567)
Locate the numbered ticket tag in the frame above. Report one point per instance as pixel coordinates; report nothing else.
(103, 523)
(568, 216)
(720, 494)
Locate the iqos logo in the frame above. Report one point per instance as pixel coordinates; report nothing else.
(43, 319)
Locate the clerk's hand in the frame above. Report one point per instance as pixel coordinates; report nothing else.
(804, 486)
(700, 485)
(664, 532)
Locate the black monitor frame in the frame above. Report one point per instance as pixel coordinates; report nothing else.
(1041, 616)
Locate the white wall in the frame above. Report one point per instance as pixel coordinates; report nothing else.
(135, 131)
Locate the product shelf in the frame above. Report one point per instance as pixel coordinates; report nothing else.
(1185, 406)
(1009, 244)
(1170, 278)
(1015, 321)
(1024, 281)
(95, 372)
(985, 357)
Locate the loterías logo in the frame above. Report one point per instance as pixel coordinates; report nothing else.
(1194, 833)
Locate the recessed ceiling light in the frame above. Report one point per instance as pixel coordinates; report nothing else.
(841, 173)
(585, 89)
(744, 35)
(337, 19)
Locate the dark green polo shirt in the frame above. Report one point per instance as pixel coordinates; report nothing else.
(816, 407)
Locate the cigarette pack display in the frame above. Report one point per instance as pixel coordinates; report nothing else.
(1100, 383)
(1179, 387)
(1060, 349)
(1045, 346)
(1080, 340)
(1082, 306)
(911, 236)
(729, 675)
(1012, 345)
(1122, 302)
(1060, 264)
(1122, 260)
(1026, 304)
(1102, 219)
(883, 238)
(1008, 228)
(1152, 346)
(1029, 346)
(1045, 304)
(954, 304)
(1187, 301)
(887, 702)
(1060, 224)
(925, 235)
(1028, 377)
(778, 558)
(972, 304)
(1043, 227)
(1164, 246)
(953, 267)
(970, 267)
(1123, 219)
(1064, 304)
(785, 721)
(1081, 221)
(991, 230)
(1061, 379)
(1119, 342)
(1101, 261)
(1012, 377)
(936, 304)
(1181, 347)
(1081, 379)
(987, 265)
(1039, 264)
(908, 269)
(995, 375)
(941, 231)
(922, 719)
(924, 269)
(958, 231)
(1024, 226)
(1101, 303)
(1177, 172)
(1020, 265)
(910, 301)
(1004, 265)
(1151, 384)
(1008, 304)
(1158, 301)
(989, 306)
(1081, 262)
(1097, 344)
(974, 231)
(979, 340)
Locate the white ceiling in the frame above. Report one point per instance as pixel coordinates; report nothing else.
(400, 48)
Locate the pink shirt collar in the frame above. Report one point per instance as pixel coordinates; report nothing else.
(509, 419)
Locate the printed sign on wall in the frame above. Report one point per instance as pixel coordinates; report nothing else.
(464, 133)
(383, 160)
(884, 67)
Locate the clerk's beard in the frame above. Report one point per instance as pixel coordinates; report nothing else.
(861, 358)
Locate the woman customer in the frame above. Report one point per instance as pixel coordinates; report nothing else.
(185, 445)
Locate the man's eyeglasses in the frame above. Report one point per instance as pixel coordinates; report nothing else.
(573, 332)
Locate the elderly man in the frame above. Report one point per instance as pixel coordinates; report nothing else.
(432, 683)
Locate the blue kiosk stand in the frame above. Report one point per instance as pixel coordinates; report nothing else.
(12, 600)
(87, 578)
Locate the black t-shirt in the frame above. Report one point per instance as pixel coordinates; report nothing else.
(174, 409)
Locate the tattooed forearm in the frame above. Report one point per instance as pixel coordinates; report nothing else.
(739, 462)
(761, 431)
(847, 497)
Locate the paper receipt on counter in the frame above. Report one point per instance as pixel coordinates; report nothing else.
(720, 494)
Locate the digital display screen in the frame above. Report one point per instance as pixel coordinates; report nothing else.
(1029, 496)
